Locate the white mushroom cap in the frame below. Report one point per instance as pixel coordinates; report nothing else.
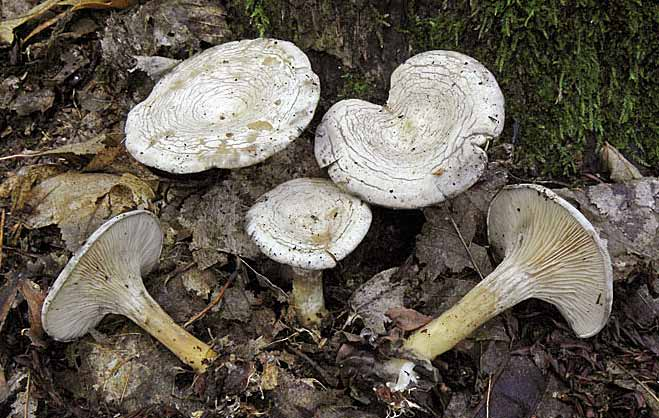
(423, 146)
(104, 276)
(564, 260)
(231, 106)
(308, 223)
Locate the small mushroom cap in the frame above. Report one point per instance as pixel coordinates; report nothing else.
(233, 105)
(423, 146)
(308, 223)
(104, 276)
(559, 249)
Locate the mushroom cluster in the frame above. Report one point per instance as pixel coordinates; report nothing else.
(238, 103)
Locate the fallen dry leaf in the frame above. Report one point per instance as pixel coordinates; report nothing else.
(439, 247)
(79, 203)
(7, 27)
(626, 216)
(269, 378)
(19, 185)
(34, 297)
(4, 389)
(620, 169)
(408, 319)
(373, 299)
(7, 296)
(90, 147)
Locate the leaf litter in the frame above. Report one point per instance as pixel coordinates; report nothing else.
(269, 366)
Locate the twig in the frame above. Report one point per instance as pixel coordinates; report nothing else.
(177, 271)
(329, 379)
(637, 380)
(123, 391)
(2, 232)
(217, 298)
(27, 394)
(280, 294)
(487, 401)
(471, 257)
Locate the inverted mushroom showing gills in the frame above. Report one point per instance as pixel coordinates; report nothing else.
(310, 225)
(550, 252)
(423, 146)
(105, 277)
(233, 105)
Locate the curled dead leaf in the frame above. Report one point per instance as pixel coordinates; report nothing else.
(34, 296)
(79, 203)
(8, 26)
(619, 168)
(408, 319)
(90, 147)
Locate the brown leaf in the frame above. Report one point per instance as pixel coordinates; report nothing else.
(90, 147)
(7, 296)
(374, 298)
(79, 203)
(19, 186)
(439, 247)
(4, 389)
(7, 26)
(408, 319)
(515, 392)
(34, 297)
(619, 168)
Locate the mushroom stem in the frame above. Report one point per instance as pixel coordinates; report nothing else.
(154, 320)
(308, 299)
(482, 303)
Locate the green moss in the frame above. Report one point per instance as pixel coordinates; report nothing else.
(258, 17)
(574, 73)
(356, 86)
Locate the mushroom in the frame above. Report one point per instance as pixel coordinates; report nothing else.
(233, 105)
(105, 277)
(309, 225)
(550, 252)
(423, 146)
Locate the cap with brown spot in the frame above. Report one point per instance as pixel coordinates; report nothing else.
(231, 106)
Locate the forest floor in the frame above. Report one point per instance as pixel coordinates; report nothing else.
(574, 77)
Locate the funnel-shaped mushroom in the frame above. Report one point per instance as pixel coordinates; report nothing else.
(550, 252)
(308, 224)
(231, 106)
(423, 146)
(105, 277)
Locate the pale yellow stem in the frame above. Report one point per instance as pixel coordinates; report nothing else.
(308, 299)
(503, 288)
(154, 320)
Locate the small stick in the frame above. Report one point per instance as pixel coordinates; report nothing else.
(637, 380)
(2, 233)
(217, 298)
(471, 257)
(329, 379)
(487, 401)
(27, 394)
(177, 271)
